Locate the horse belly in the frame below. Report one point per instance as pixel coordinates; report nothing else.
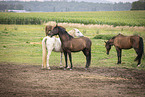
(123, 43)
(77, 47)
(126, 47)
(50, 41)
(57, 48)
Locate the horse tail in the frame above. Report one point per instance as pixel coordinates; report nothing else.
(141, 49)
(44, 56)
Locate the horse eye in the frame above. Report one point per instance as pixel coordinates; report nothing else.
(78, 32)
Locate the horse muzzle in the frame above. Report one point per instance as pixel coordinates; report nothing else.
(49, 34)
(107, 53)
(81, 36)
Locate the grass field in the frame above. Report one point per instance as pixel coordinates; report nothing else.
(115, 18)
(16, 46)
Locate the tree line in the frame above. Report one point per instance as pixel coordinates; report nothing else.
(63, 6)
(4, 7)
(138, 5)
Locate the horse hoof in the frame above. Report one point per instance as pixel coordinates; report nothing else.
(48, 68)
(70, 69)
(138, 65)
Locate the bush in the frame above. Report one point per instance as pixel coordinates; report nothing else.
(105, 37)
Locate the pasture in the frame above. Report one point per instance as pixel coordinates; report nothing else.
(21, 59)
(21, 44)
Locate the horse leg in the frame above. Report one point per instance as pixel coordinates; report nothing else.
(65, 54)
(119, 51)
(139, 61)
(87, 53)
(61, 59)
(48, 55)
(67, 58)
(70, 59)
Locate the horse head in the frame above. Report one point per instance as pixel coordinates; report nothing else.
(54, 31)
(108, 45)
(77, 33)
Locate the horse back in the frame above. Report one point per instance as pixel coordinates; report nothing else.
(84, 40)
(78, 44)
(126, 42)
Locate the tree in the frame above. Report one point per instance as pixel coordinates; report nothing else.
(19, 7)
(138, 5)
(142, 0)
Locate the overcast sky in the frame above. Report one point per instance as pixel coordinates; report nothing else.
(80, 0)
(122, 0)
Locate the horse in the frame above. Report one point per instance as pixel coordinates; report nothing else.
(126, 42)
(48, 28)
(71, 44)
(54, 44)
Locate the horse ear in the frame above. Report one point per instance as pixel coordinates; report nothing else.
(56, 25)
(105, 41)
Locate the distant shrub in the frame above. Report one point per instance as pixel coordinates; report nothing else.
(105, 37)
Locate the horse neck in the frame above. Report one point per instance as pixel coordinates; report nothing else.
(111, 41)
(64, 36)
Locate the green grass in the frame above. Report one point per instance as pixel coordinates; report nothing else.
(15, 47)
(115, 18)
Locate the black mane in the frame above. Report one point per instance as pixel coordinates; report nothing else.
(113, 37)
(63, 30)
(116, 36)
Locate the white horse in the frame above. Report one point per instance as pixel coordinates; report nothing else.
(54, 44)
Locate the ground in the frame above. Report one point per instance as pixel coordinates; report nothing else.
(30, 80)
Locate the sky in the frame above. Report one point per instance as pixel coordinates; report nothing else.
(81, 0)
(122, 0)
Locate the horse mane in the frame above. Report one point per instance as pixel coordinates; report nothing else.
(117, 36)
(113, 37)
(63, 30)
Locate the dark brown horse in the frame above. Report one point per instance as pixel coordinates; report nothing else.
(70, 44)
(48, 28)
(126, 42)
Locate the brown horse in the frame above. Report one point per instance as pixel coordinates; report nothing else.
(70, 44)
(126, 42)
(48, 28)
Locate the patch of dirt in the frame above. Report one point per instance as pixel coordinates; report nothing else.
(31, 80)
(35, 42)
